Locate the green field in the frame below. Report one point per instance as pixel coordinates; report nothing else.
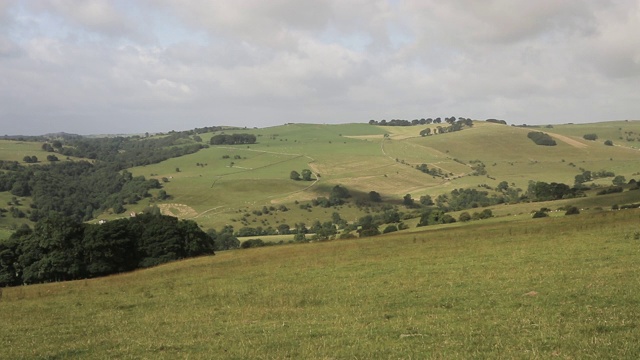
(505, 287)
(560, 287)
(358, 157)
(218, 185)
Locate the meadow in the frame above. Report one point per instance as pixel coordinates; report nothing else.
(361, 158)
(559, 287)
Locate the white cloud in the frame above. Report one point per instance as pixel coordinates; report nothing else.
(101, 66)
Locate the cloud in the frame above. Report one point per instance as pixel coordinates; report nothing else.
(102, 66)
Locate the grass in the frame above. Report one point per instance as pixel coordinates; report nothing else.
(556, 287)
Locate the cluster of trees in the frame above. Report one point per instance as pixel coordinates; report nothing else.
(541, 138)
(126, 152)
(542, 191)
(78, 190)
(400, 122)
(30, 159)
(232, 139)
(433, 171)
(587, 175)
(60, 248)
(81, 189)
(305, 175)
(336, 197)
(461, 199)
(496, 121)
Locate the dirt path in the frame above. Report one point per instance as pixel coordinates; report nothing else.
(569, 141)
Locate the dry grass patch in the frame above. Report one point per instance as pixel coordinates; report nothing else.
(178, 210)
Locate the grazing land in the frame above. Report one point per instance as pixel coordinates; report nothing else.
(506, 285)
(537, 288)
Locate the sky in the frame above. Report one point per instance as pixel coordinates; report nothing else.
(135, 66)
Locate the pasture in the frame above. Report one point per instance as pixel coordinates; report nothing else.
(538, 288)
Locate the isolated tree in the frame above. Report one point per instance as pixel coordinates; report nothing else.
(426, 200)
(162, 195)
(390, 228)
(572, 210)
(407, 200)
(374, 196)
(294, 175)
(52, 158)
(464, 217)
(619, 180)
(306, 175)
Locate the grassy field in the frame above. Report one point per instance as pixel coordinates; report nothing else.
(216, 186)
(562, 287)
(358, 157)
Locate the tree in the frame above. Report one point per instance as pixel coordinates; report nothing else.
(540, 214)
(541, 138)
(502, 186)
(306, 175)
(374, 196)
(367, 226)
(592, 137)
(162, 195)
(619, 180)
(30, 159)
(52, 158)
(608, 142)
(464, 217)
(407, 200)
(426, 200)
(390, 228)
(572, 210)
(294, 175)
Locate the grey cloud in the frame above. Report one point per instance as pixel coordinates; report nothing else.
(259, 63)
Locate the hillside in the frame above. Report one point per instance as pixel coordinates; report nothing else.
(359, 157)
(537, 288)
(221, 184)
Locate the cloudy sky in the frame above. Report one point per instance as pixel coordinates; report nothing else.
(130, 66)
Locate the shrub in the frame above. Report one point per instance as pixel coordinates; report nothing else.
(541, 138)
(591, 137)
(572, 210)
(390, 228)
(608, 142)
(252, 243)
(540, 214)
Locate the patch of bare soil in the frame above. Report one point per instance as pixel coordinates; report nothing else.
(568, 140)
(179, 210)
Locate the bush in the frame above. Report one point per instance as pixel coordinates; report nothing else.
(572, 210)
(252, 243)
(540, 214)
(541, 138)
(464, 216)
(608, 142)
(591, 137)
(390, 228)
(611, 190)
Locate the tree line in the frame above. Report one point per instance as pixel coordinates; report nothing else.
(232, 139)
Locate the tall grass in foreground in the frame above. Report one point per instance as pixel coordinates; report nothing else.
(557, 287)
